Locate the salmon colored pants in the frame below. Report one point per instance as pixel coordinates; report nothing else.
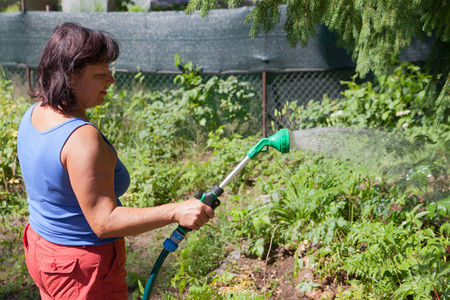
(76, 272)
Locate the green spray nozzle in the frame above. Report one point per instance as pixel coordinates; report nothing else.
(279, 141)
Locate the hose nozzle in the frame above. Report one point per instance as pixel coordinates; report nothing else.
(279, 141)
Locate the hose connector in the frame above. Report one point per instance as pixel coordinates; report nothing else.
(171, 243)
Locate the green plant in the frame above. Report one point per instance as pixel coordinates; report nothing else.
(394, 258)
(215, 102)
(306, 286)
(201, 253)
(382, 231)
(392, 102)
(147, 127)
(11, 113)
(14, 273)
(426, 280)
(13, 7)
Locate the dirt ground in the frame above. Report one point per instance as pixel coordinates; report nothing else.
(271, 276)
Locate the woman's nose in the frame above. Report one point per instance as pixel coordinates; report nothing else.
(111, 79)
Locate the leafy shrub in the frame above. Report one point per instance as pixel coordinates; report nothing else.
(11, 183)
(200, 255)
(389, 237)
(386, 256)
(216, 102)
(388, 234)
(394, 101)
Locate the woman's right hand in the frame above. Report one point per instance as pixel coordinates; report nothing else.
(192, 214)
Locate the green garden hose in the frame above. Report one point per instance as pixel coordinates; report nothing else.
(151, 279)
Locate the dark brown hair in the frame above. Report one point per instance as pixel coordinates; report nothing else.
(70, 48)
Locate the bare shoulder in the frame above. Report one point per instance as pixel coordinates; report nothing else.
(86, 145)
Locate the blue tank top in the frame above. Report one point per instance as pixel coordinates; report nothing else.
(55, 213)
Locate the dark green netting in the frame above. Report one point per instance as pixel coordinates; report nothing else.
(149, 41)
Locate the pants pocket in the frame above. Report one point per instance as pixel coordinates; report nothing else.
(25, 237)
(59, 277)
(114, 283)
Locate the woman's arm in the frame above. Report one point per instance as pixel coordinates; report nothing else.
(90, 162)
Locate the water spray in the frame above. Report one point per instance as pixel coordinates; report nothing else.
(279, 141)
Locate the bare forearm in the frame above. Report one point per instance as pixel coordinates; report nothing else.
(125, 221)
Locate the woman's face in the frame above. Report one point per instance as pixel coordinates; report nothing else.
(90, 84)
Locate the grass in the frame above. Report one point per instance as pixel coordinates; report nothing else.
(16, 282)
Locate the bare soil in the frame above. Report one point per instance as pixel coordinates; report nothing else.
(272, 276)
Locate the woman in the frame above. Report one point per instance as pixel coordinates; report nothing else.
(74, 244)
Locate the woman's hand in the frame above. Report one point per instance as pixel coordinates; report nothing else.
(192, 214)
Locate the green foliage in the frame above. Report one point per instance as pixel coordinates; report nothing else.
(16, 283)
(360, 225)
(306, 286)
(200, 255)
(225, 153)
(396, 255)
(389, 236)
(215, 102)
(202, 252)
(11, 181)
(135, 8)
(374, 31)
(317, 200)
(392, 102)
(14, 7)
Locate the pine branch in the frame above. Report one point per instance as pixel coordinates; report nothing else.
(443, 103)
(436, 17)
(265, 16)
(204, 6)
(301, 19)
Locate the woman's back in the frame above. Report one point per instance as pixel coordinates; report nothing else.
(55, 213)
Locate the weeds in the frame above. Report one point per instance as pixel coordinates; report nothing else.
(383, 237)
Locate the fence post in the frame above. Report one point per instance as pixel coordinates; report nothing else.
(264, 104)
(28, 72)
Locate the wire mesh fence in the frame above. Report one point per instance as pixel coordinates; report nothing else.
(17, 75)
(281, 87)
(302, 87)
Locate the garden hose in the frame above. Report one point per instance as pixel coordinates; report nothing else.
(279, 141)
(151, 279)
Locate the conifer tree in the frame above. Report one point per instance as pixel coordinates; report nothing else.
(374, 31)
